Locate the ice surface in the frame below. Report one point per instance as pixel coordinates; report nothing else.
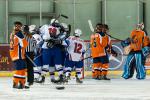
(116, 89)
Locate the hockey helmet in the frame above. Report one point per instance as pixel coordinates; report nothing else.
(140, 26)
(65, 26)
(32, 28)
(26, 28)
(77, 32)
(54, 21)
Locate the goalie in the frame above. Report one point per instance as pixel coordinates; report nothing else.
(134, 58)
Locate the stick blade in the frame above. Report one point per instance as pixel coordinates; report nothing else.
(64, 16)
(90, 25)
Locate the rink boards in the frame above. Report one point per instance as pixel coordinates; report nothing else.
(6, 65)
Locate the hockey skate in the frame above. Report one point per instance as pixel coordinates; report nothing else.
(61, 80)
(98, 78)
(42, 80)
(54, 81)
(67, 78)
(30, 83)
(105, 78)
(22, 86)
(60, 83)
(15, 85)
(78, 80)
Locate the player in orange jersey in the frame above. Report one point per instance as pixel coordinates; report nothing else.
(134, 58)
(17, 54)
(99, 42)
(93, 44)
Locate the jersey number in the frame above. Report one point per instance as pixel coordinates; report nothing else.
(78, 48)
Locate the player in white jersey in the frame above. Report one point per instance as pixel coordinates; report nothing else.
(75, 52)
(38, 58)
(51, 53)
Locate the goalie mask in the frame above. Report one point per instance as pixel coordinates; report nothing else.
(140, 27)
(77, 32)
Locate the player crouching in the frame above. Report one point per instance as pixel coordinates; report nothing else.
(75, 51)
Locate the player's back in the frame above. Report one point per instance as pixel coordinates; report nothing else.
(76, 48)
(98, 44)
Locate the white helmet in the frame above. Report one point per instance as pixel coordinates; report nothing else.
(54, 20)
(77, 32)
(65, 26)
(32, 28)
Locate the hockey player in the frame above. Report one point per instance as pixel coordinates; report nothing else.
(75, 52)
(99, 42)
(109, 50)
(64, 34)
(38, 56)
(51, 54)
(17, 54)
(134, 58)
(95, 65)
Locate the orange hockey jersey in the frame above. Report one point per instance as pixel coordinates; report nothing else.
(139, 40)
(146, 41)
(17, 46)
(98, 45)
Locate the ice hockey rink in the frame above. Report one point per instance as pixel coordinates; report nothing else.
(122, 17)
(116, 89)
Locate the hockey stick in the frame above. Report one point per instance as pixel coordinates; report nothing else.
(90, 25)
(61, 15)
(64, 16)
(57, 87)
(31, 61)
(91, 56)
(114, 37)
(86, 58)
(92, 30)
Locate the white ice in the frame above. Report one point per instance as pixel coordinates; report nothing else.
(116, 89)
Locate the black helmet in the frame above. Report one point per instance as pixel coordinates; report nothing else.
(26, 28)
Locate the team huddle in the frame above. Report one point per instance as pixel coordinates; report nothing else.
(56, 51)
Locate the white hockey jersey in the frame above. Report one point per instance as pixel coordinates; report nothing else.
(76, 48)
(37, 38)
(45, 33)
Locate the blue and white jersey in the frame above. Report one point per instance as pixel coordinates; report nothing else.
(76, 48)
(45, 35)
(37, 38)
(47, 32)
(39, 42)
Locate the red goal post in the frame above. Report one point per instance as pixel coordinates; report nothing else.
(87, 62)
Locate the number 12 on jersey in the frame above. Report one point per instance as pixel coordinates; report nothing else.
(78, 47)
